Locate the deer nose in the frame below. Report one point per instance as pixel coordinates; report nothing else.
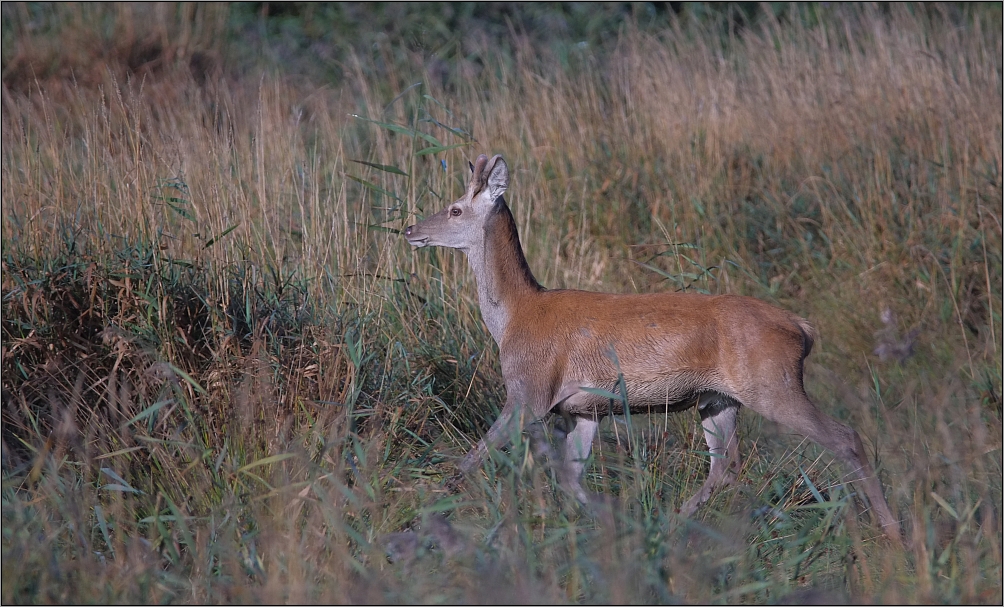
(407, 231)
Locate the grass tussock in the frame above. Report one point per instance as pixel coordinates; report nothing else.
(227, 378)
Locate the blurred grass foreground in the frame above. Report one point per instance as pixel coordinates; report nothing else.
(227, 378)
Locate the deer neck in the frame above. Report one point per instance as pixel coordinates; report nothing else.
(503, 276)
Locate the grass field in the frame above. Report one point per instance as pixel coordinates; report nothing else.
(228, 378)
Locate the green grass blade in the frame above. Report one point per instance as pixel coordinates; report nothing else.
(439, 148)
(429, 138)
(103, 526)
(374, 187)
(395, 128)
(382, 167)
(145, 413)
(217, 238)
(815, 492)
(944, 504)
(265, 461)
(188, 378)
(601, 392)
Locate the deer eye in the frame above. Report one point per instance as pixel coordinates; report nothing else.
(455, 212)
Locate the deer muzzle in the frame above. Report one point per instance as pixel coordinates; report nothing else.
(415, 237)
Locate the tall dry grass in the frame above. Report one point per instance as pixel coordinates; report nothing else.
(226, 376)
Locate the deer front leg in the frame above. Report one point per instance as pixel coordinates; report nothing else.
(500, 430)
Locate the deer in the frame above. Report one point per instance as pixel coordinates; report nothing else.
(564, 351)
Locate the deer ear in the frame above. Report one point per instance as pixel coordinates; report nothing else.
(470, 164)
(498, 177)
(478, 176)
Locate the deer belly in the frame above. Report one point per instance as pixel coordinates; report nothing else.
(675, 393)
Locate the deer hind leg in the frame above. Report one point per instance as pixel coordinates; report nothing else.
(578, 443)
(796, 411)
(719, 415)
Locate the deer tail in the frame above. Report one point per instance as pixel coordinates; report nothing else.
(809, 334)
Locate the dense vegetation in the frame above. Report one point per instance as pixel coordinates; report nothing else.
(227, 378)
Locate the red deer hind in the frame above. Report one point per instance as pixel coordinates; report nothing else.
(675, 351)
